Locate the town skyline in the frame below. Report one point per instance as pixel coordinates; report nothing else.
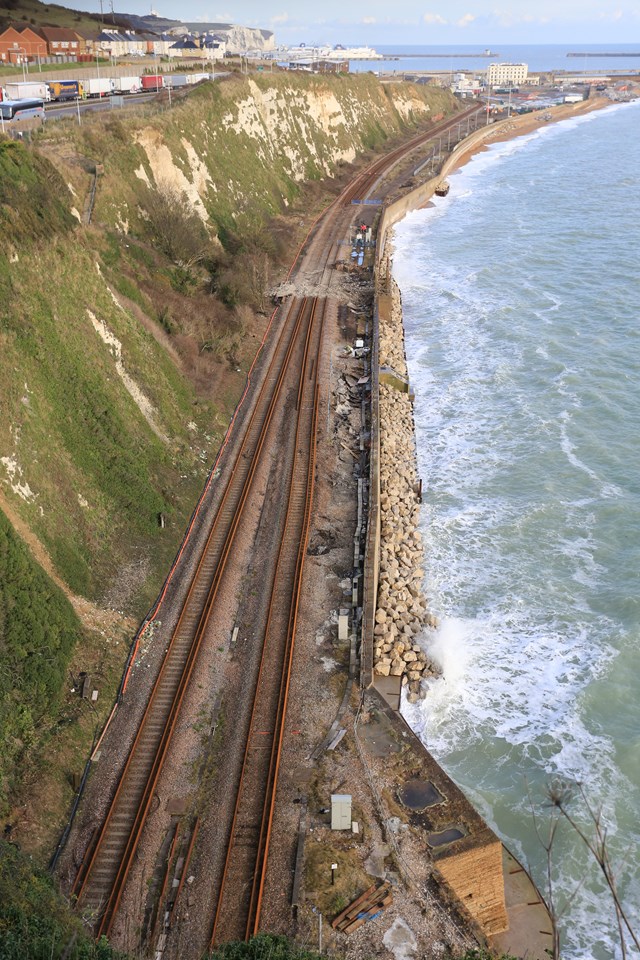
(408, 21)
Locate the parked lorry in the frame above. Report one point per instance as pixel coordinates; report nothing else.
(64, 89)
(97, 87)
(152, 81)
(176, 80)
(26, 90)
(126, 84)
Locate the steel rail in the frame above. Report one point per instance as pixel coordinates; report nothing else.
(237, 909)
(103, 874)
(161, 730)
(270, 800)
(366, 180)
(247, 855)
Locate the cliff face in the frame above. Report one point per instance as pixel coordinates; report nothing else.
(241, 150)
(124, 344)
(102, 428)
(241, 39)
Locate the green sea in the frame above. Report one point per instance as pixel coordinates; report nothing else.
(522, 311)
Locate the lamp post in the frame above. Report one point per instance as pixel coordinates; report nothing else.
(22, 60)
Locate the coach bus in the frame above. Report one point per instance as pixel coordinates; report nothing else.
(21, 109)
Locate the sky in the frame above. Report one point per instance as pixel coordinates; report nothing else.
(375, 22)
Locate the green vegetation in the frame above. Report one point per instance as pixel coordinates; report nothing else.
(48, 15)
(32, 195)
(35, 921)
(263, 947)
(89, 439)
(122, 345)
(482, 954)
(38, 631)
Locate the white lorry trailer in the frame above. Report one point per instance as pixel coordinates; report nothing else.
(126, 85)
(97, 87)
(27, 90)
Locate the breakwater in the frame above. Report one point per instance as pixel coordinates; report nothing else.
(401, 613)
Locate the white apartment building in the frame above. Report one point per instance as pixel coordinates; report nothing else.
(507, 74)
(464, 84)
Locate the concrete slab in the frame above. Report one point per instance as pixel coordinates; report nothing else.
(374, 865)
(400, 940)
(390, 688)
(378, 738)
(530, 932)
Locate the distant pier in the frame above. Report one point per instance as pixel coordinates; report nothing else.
(635, 53)
(448, 56)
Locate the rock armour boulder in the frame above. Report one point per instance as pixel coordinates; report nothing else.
(401, 613)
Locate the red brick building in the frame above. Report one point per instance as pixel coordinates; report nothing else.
(19, 45)
(62, 41)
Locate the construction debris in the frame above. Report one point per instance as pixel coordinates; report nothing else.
(367, 906)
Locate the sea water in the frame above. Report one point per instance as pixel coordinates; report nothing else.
(549, 57)
(521, 304)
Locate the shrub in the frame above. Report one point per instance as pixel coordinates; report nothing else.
(263, 947)
(35, 921)
(39, 630)
(177, 230)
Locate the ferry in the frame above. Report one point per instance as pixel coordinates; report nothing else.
(325, 52)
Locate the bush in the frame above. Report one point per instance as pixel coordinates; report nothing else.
(263, 947)
(35, 921)
(176, 228)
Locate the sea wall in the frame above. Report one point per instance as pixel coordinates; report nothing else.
(469, 869)
(401, 610)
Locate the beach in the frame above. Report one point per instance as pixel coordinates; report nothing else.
(519, 126)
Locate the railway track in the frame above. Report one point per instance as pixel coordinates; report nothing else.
(237, 911)
(104, 871)
(367, 180)
(294, 367)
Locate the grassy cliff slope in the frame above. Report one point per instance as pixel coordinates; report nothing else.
(124, 344)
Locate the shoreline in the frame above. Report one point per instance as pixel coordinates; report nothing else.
(401, 609)
(396, 643)
(520, 126)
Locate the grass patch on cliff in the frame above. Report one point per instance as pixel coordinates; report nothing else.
(38, 631)
(98, 474)
(32, 195)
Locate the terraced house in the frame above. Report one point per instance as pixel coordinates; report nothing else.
(61, 41)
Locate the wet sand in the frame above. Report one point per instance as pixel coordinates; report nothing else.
(518, 126)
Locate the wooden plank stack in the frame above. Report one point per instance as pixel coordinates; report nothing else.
(367, 906)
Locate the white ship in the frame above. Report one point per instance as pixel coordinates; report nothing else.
(325, 52)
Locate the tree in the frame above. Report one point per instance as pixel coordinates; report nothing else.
(177, 229)
(561, 795)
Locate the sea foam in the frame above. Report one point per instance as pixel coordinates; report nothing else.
(527, 412)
